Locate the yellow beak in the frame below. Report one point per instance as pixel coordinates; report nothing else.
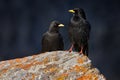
(60, 25)
(71, 11)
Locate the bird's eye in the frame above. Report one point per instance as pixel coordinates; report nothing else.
(56, 25)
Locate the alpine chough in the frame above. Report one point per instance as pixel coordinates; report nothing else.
(52, 39)
(79, 30)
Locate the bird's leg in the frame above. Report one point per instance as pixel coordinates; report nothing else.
(81, 50)
(71, 48)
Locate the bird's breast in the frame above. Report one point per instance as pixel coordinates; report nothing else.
(53, 36)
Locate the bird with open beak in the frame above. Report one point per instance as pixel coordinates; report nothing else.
(52, 39)
(79, 30)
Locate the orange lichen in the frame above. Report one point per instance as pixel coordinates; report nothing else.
(1, 65)
(45, 61)
(11, 62)
(27, 66)
(62, 76)
(79, 68)
(88, 77)
(50, 69)
(33, 77)
(18, 60)
(53, 69)
(36, 63)
(81, 60)
(3, 71)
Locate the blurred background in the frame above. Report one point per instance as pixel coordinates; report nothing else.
(22, 23)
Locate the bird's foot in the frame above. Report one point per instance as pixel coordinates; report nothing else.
(70, 50)
(81, 52)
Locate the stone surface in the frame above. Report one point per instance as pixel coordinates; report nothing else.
(56, 65)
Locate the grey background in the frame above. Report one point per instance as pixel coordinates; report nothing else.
(22, 23)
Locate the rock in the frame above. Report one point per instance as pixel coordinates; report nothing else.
(56, 65)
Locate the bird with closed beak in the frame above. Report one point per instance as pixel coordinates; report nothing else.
(79, 31)
(52, 39)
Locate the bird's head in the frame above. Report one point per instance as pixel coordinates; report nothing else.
(54, 26)
(78, 11)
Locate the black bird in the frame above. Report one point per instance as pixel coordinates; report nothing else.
(79, 30)
(52, 39)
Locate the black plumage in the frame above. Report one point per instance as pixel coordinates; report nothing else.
(79, 30)
(52, 39)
